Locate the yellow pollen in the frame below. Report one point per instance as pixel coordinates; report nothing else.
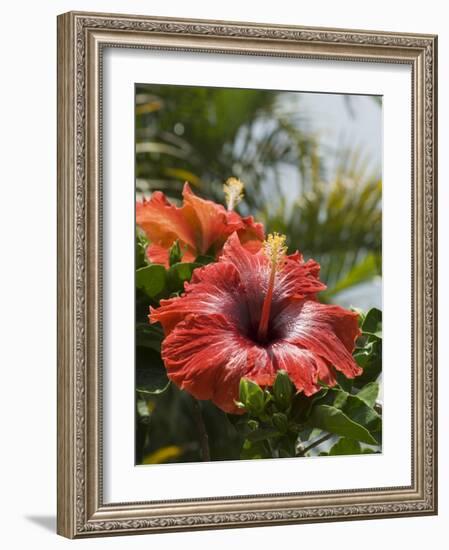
(233, 190)
(275, 249)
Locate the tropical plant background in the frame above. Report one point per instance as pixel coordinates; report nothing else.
(311, 164)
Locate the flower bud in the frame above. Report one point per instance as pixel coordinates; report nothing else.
(283, 390)
(252, 397)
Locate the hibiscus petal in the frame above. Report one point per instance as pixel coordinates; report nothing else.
(206, 356)
(254, 273)
(258, 367)
(215, 288)
(327, 374)
(159, 255)
(302, 366)
(251, 235)
(214, 224)
(328, 331)
(163, 222)
(298, 279)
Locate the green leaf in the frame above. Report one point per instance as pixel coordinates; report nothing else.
(151, 279)
(151, 380)
(358, 411)
(262, 434)
(280, 422)
(329, 396)
(175, 253)
(282, 390)
(360, 313)
(345, 446)
(149, 336)
(373, 323)
(308, 434)
(252, 396)
(354, 407)
(362, 271)
(378, 435)
(333, 420)
(343, 382)
(254, 450)
(141, 247)
(341, 398)
(180, 273)
(302, 405)
(369, 393)
(370, 359)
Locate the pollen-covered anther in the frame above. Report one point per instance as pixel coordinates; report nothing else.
(275, 249)
(233, 190)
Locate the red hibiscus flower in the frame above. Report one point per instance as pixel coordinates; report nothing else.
(201, 226)
(250, 315)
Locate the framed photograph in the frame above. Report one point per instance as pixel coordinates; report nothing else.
(246, 274)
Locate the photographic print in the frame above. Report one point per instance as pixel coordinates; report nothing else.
(258, 277)
(238, 345)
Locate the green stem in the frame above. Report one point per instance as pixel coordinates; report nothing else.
(315, 444)
(202, 432)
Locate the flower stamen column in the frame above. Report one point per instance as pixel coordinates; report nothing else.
(275, 250)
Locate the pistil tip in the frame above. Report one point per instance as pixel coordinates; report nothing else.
(233, 190)
(275, 248)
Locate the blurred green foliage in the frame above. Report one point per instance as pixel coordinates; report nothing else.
(204, 135)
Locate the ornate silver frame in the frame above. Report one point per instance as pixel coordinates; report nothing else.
(81, 38)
